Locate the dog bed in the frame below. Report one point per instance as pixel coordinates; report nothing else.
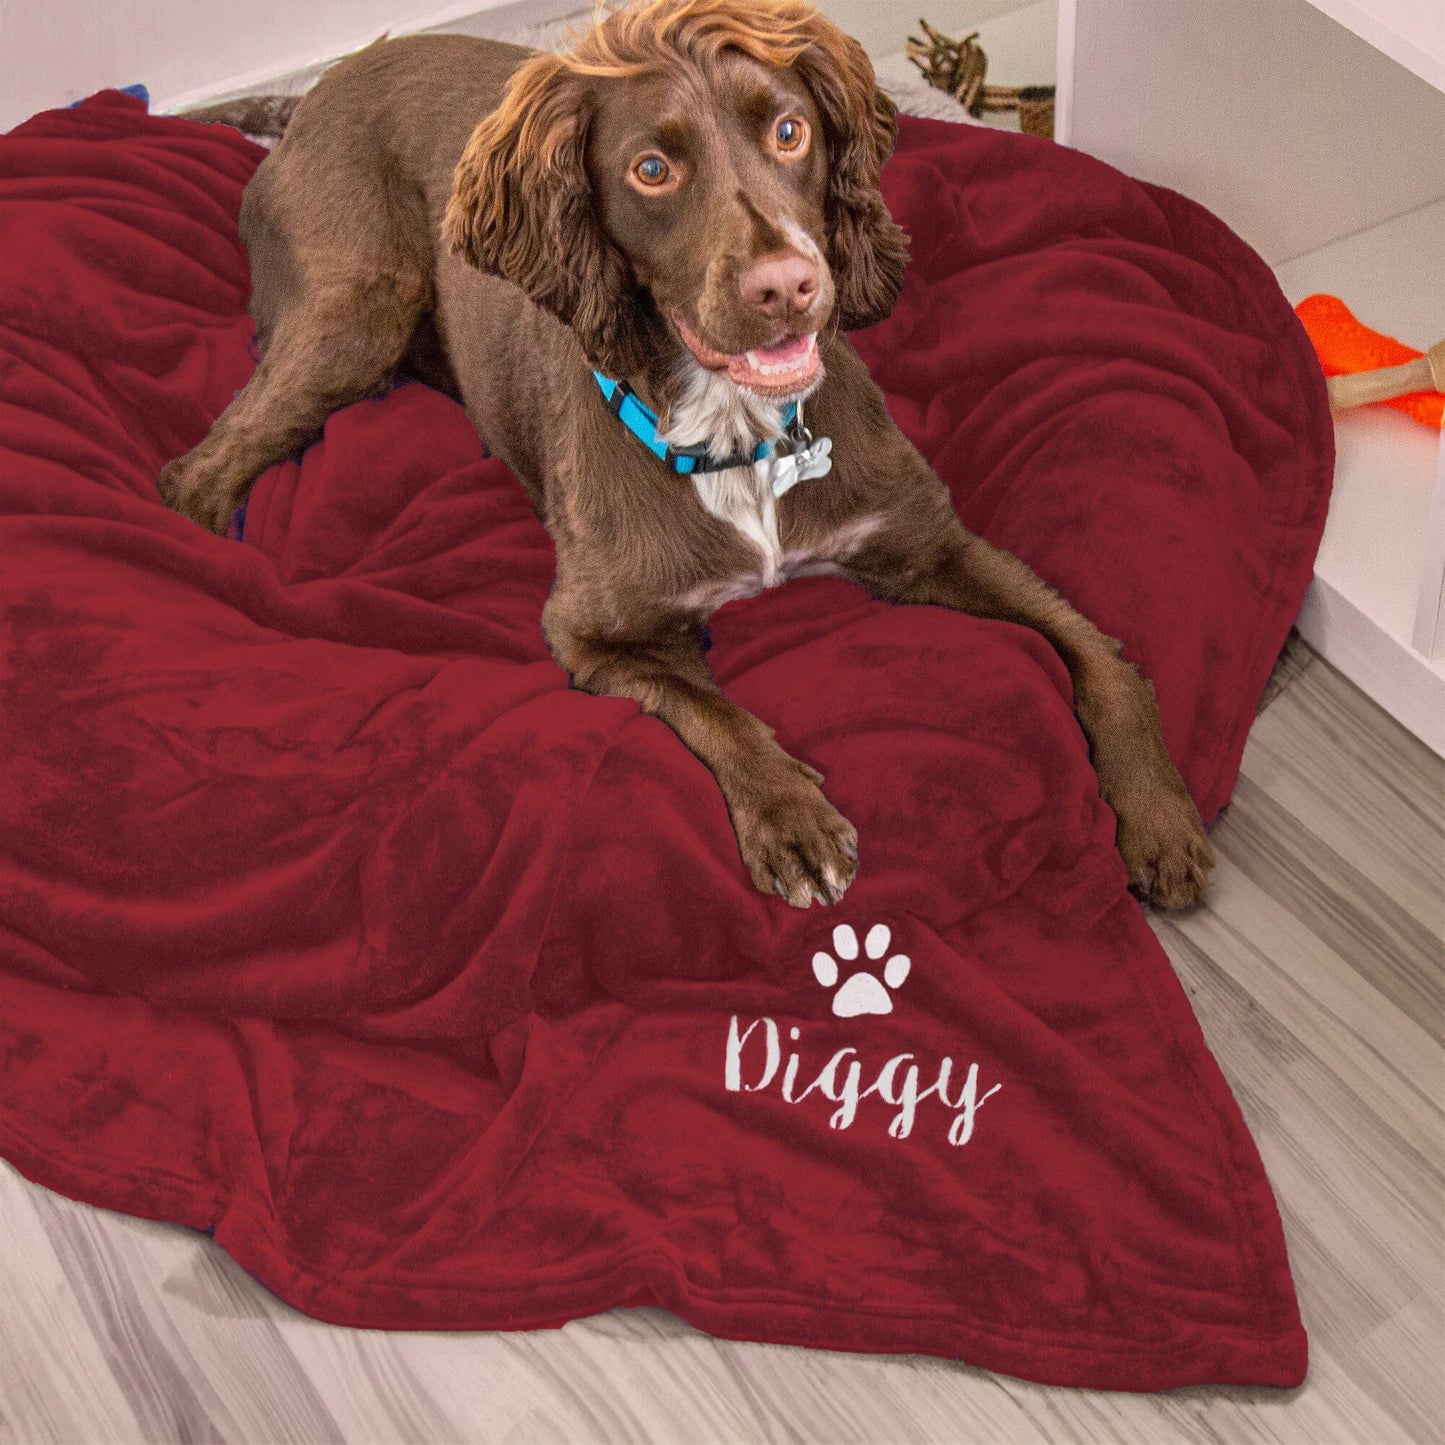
(334, 923)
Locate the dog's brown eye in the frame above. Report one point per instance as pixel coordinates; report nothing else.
(652, 171)
(790, 134)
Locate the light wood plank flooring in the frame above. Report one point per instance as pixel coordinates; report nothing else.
(1316, 970)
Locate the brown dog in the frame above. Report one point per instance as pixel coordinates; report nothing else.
(688, 202)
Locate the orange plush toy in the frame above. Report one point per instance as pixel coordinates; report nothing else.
(1364, 366)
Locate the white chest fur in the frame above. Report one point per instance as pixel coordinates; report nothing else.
(743, 497)
(712, 412)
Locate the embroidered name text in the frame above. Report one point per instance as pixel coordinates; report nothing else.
(755, 1059)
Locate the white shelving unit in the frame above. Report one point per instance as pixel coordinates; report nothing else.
(1316, 128)
(1374, 607)
(1409, 32)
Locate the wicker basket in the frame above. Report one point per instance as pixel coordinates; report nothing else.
(960, 67)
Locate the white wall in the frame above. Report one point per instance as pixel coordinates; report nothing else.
(1293, 130)
(55, 51)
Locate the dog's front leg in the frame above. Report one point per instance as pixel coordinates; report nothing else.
(792, 840)
(925, 555)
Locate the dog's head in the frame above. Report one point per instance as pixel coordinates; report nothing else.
(695, 172)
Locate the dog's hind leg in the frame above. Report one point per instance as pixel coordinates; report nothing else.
(342, 344)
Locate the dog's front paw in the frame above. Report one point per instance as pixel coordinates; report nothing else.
(794, 842)
(189, 490)
(1165, 849)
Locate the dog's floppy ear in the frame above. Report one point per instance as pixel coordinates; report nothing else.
(867, 250)
(521, 208)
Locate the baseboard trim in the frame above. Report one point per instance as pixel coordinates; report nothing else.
(1402, 682)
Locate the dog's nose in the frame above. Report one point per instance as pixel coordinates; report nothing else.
(779, 284)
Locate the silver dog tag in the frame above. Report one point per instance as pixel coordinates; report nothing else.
(813, 460)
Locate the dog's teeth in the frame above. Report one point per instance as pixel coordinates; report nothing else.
(783, 368)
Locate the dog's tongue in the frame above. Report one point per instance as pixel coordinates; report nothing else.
(791, 362)
(789, 366)
(788, 352)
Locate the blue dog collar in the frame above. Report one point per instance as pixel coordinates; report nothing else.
(642, 423)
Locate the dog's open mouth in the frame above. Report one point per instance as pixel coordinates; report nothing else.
(786, 367)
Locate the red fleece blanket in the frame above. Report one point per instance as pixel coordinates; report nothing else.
(333, 922)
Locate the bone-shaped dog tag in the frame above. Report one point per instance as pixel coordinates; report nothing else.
(813, 460)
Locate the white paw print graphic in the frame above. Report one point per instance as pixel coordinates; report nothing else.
(862, 994)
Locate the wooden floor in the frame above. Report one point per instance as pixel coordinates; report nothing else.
(1316, 970)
